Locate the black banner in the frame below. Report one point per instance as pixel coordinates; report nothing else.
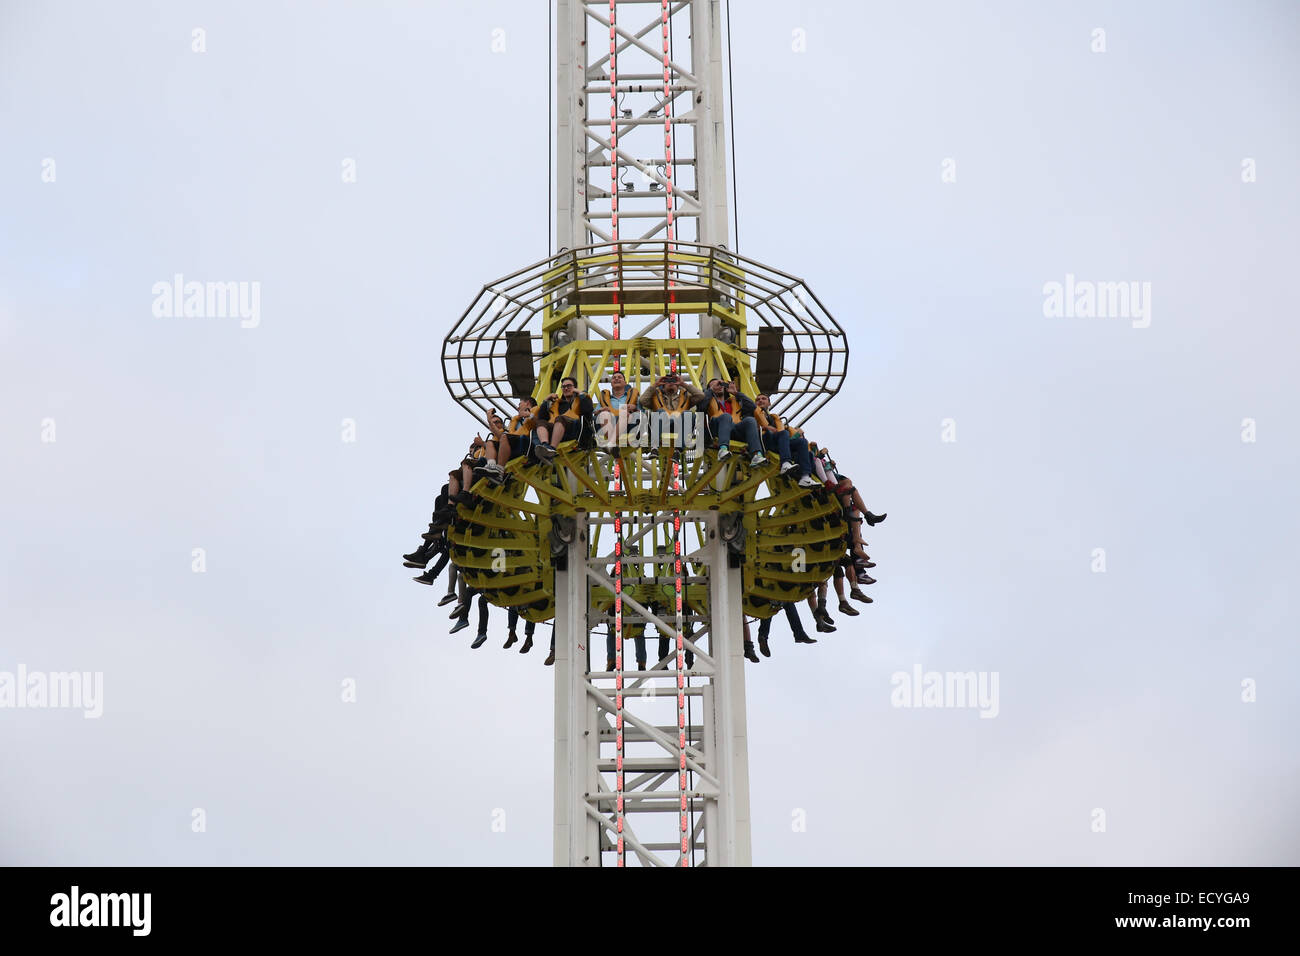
(333, 905)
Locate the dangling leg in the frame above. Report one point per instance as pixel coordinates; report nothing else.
(845, 606)
(512, 621)
(764, 628)
(482, 622)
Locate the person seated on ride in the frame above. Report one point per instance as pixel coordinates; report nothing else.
(669, 398)
(777, 437)
(615, 404)
(490, 467)
(524, 435)
(670, 394)
(429, 548)
(461, 478)
(569, 415)
(729, 411)
(796, 628)
(842, 485)
(855, 511)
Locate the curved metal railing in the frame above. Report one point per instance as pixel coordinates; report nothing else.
(562, 308)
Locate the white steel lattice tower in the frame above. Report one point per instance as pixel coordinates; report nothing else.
(640, 537)
(664, 153)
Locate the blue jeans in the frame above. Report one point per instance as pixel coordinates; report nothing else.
(799, 452)
(778, 442)
(723, 425)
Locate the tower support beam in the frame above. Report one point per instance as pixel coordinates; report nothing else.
(586, 714)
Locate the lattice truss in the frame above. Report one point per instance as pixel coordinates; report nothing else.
(656, 111)
(656, 747)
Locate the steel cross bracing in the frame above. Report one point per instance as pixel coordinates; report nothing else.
(716, 752)
(639, 169)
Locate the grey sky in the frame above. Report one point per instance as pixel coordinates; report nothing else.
(1119, 690)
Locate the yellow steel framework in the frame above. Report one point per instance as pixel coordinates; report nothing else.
(504, 541)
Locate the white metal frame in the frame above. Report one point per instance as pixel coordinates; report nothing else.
(717, 749)
(582, 100)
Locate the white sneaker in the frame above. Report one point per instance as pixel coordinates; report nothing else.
(786, 466)
(724, 453)
(758, 461)
(808, 481)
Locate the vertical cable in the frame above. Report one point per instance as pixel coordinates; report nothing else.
(731, 96)
(550, 126)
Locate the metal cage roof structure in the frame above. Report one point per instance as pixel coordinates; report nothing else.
(568, 299)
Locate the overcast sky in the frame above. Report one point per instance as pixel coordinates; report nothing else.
(1120, 690)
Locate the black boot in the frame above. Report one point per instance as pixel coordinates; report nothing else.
(826, 615)
(873, 520)
(749, 652)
